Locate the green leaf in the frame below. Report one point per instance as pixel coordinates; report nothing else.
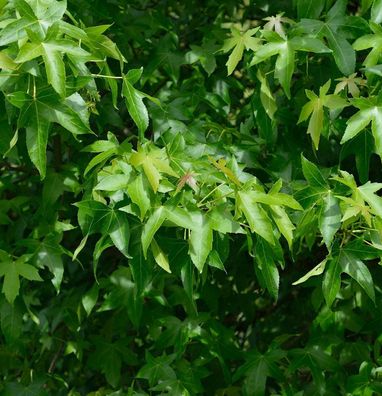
(11, 283)
(315, 109)
(55, 68)
(312, 174)
(332, 280)
(11, 321)
(200, 242)
(138, 191)
(284, 67)
(370, 111)
(256, 217)
(151, 227)
(113, 182)
(310, 8)
(239, 41)
(49, 255)
(376, 11)
(159, 256)
(119, 232)
(309, 44)
(266, 269)
(11, 272)
(283, 223)
(343, 52)
(367, 192)
(355, 268)
(154, 162)
(135, 106)
(37, 137)
(330, 218)
(14, 31)
(317, 270)
(266, 96)
(89, 300)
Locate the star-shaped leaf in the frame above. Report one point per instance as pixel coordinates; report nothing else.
(370, 111)
(285, 51)
(12, 270)
(315, 110)
(154, 162)
(240, 41)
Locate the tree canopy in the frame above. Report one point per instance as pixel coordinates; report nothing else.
(190, 197)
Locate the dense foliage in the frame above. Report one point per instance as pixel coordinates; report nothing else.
(190, 197)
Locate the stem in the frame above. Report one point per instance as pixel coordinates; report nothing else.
(211, 192)
(105, 76)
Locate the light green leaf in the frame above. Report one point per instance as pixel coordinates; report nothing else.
(154, 162)
(376, 11)
(367, 192)
(283, 223)
(138, 191)
(256, 217)
(114, 182)
(28, 52)
(315, 109)
(200, 242)
(89, 300)
(6, 62)
(284, 67)
(239, 41)
(159, 256)
(317, 270)
(55, 68)
(14, 31)
(370, 111)
(267, 99)
(330, 218)
(309, 44)
(151, 227)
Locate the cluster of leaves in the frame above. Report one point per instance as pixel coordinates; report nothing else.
(195, 210)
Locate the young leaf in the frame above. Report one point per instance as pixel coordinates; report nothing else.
(239, 41)
(154, 162)
(315, 110)
(317, 270)
(159, 256)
